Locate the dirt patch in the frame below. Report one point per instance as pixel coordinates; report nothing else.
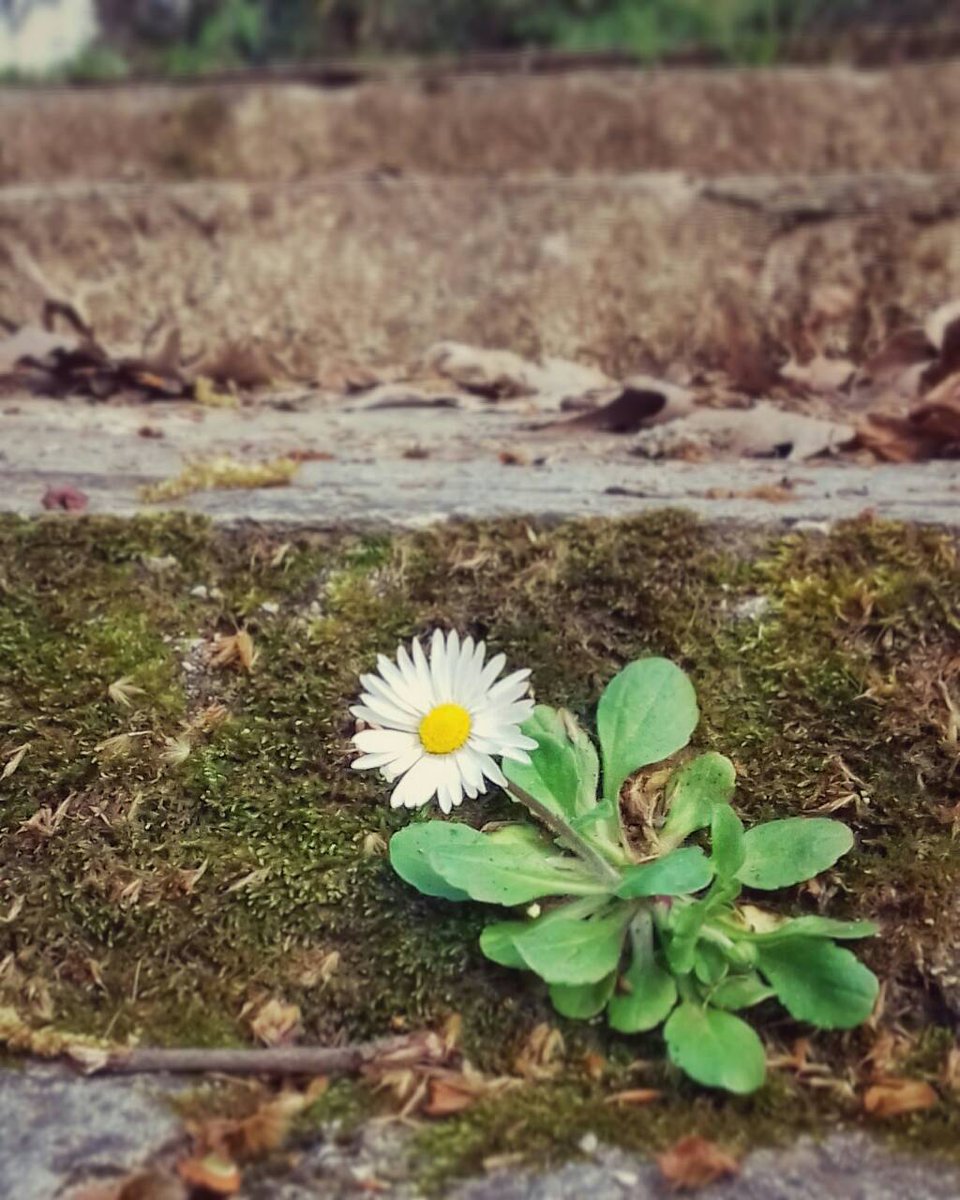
(704, 122)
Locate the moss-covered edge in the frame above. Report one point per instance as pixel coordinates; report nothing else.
(824, 666)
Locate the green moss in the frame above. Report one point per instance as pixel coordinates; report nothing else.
(834, 699)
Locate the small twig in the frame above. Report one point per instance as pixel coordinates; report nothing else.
(271, 1060)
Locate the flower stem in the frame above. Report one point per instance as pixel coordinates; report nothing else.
(567, 836)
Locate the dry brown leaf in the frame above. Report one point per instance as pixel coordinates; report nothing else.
(642, 402)
(892, 1097)
(211, 1174)
(234, 649)
(275, 1023)
(14, 761)
(46, 821)
(448, 1095)
(242, 1139)
(540, 1057)
(693, 1162)
(65, 497)
(634, 1097)
(595, 1065)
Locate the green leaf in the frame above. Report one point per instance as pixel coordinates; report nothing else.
(409, 859)
(563, 770)
(572, 951)
(816, 927)
(819, 982)
(646, 713)
(652, 994)
(709, 963)
(715, 1048)
(781, 853)
(507, 867)
(740, 991)
(727, 842)
(675, 874)
(695, 790)
(496, 942)
(581, 1001)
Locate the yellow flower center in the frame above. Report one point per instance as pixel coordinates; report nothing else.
(444, 729)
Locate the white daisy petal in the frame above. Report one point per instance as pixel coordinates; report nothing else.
(492, 670)
(388, 714)
(422, 668)
(439, 668)
(492, 771)
(508, 689)
(375, 716)
(401, 763)
(396, 681)
(417, 785)
(377, 741)
(515, 755)
(370, 762)
(396, 696)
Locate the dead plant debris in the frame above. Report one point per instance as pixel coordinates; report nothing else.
(694, 1162)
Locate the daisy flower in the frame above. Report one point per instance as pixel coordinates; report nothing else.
(440, 722)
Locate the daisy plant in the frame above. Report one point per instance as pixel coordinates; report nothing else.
(649, 927)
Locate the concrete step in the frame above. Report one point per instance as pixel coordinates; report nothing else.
(707, 122)
(627, 272)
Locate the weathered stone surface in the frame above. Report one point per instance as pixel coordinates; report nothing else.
(57, 1128)
(844, 1167)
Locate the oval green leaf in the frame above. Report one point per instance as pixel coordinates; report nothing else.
(781, 853)
(573, 951)
(496, 942)
(818, 981)
(646, 713)
(408, 857)
(715, 1048)
(649, 994)
(582, 1001)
